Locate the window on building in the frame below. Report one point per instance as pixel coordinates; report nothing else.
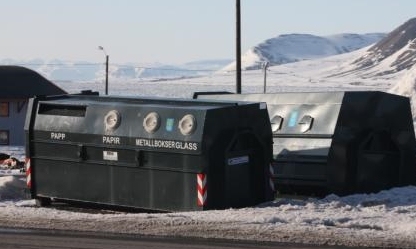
(4, 137)
(4, 109)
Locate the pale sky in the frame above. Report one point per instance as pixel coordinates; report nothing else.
(177, 31)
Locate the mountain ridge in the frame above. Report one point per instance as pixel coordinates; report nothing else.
(288, 48)
(60, 70)
(399, 47)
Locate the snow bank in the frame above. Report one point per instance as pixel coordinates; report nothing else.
(384, 219)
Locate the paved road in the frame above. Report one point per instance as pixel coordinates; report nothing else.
(44, 239)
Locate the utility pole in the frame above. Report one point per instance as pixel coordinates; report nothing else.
(106, 74)
(238, 47)
(265, 66)
(106, 68)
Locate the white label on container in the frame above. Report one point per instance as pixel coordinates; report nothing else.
(238, 160)
(110, 155)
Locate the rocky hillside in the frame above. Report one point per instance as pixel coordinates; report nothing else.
(394, 53)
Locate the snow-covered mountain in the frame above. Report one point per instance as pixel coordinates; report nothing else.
(297, 47)
(366, 56)
(338, 72)
(207, 64)
(394, 53)
(389, 59)
(279, 50)
(58, 70)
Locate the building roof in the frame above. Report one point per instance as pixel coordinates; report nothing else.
(22, 83)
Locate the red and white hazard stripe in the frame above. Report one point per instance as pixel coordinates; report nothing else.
(202, 189)
(271, 174)
(28, 173)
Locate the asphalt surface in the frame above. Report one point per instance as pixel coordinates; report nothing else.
(34, 238)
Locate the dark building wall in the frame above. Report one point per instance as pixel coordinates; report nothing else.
(17, 85)
(14, 123)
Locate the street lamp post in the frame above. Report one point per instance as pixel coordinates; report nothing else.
(265, 66)
(106, 68)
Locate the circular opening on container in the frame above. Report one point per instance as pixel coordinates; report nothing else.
(151, 122)
(112, 120)
(276, 123)
(187, 124)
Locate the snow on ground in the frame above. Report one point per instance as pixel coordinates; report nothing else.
(385, 219)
